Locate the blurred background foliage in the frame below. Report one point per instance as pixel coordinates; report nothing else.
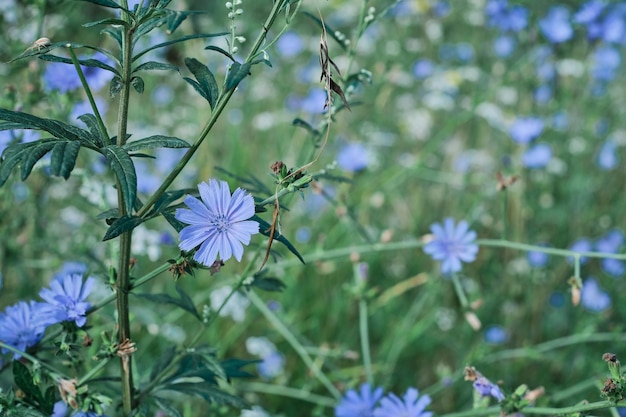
(424, 140)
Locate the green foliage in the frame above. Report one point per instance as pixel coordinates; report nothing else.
(204, 83)
(32, 393)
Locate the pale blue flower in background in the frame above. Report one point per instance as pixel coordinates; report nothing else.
(556, 25)
(537, 156)
(606, 61)
(359, 404)
(589, 12)
(236, 306)
(66, 299)
(63, 77)
(60, 409)
(289, 44)
(353, 157)
(581, 245)
(505, 17)
(411, 405)
(594, 298)
(543, 94)
(504, 46)
(273, 362)
(84, 107)
(525, 129)
(162, 95)
(423, 68)
(537, 259)
(218, 222)
(496, 335)
(452, 244)
(21, 325)
(607, 158)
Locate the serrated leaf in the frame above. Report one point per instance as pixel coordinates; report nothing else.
(168, 299)
(265, 228)
(154, 65)
(181, 39)
(115, 86)
(236, 73)
(63, 158)
(205, 78)
(92, 124)
(122, 225)
(196, 86)
(109, 21)
(56, 128)
(137, 83)
(156, 141)
(164, 361)
(24, 380)
(166, 406)
(221, 51)
(232, 367)
(124, 169)
(33, 154)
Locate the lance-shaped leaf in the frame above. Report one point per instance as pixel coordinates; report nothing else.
(137, 83)
(63, 159)
(106, 3)
(184, 302)
(154, 65)
(124, 169)
(109, 21)
(122, 225)
(56, 128)
(265, 227)
(92, 124)
(174, 41)
(156, 141)
(221, 51)
(85, 62)
(236, 73)
(175, 18)
(205, 84)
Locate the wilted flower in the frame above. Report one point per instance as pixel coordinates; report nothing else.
(218, 223)
(66, 299)
(411, 405)
(486, 387)
(359, 404)
(452, 244)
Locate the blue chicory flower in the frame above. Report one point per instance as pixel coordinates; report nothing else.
(581, 245)
(537, 156)
(353, 157)
(59, 76)
(614, 267)
(606, 60)
(594, 298)
(21, 326)
(607, 158)
(272, 365)
(289, 44)
(556, 25)
(589, 12)
(537, 259)
(452, 244)
(218, 224)
(496, 335)
(504, 46)
(525, 129)
(506, 18)
(411, 405)
(423, 68)
(485, 388)
(66, 299)
(359, 404)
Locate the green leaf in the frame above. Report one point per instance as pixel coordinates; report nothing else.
(269, 284)
(236, 73)
(208, 392)
(106, 3)
(124, 170)
(92, 124)
(232, 367)
(184, 302)
(175, 223)
(115, 33)
(175, 18)
(122, 225)
(56, 128)
(168, 198)
(206, 85)
(156, 141)
(63, 159)
(32, 154)
(115, 86)
(154, 65)
(94, 63)
(166, 405)
(182, 39)
(109, 21)
(165, 359)
(265, 228)
(221, 51)
(24, 380)
(137, 83)
(305, 125)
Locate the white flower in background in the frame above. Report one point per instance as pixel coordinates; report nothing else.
(146, 242)
(235, 307)
(256, 411)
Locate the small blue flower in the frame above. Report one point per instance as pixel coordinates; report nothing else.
(289, 44)
(485, 388)
(423, 68)
(537, 259)
(63, 77)
(452, 244)
(218, 223)
(613, 267)
(506, 18)
(66, 299)
(589, 12)
(607, 158)
(504, 46)
(593, 298)
(60, 409)
(556, 26)
(21, 326)
(581, 245)
(272, 365)
(525, 129)
(606, 61)
(537, 156)
(496, 335)
(359, 404)
(411, 405)
(611, 242)
(353, 157)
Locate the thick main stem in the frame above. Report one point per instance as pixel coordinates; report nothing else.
(123, 271)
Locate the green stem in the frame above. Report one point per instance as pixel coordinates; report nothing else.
(32, 359)
(219, 108)
(92, 372)
(460, 292)
(535, 410)
(92, 101)
(123, 272)
(504, 213)
(550, 251)
(283, 391)
(365, 345)
(294, 342)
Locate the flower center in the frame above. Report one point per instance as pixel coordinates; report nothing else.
(221, 223)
